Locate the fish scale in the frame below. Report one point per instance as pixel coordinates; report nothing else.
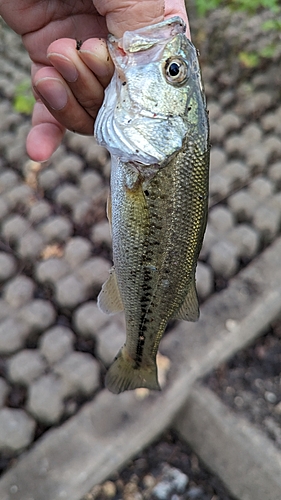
(159, 212)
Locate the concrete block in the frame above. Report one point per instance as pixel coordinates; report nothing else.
(245, 460)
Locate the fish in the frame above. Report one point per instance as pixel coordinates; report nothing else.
(154, 123)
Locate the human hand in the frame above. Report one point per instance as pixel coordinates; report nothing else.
(69, 84)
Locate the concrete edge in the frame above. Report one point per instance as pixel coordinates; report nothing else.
(231, 447)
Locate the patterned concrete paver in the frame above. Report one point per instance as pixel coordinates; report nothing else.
(106, 432)
(55, 253)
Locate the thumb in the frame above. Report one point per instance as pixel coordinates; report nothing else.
(128, 15)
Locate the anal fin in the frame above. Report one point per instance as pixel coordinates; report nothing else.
(109, 299)
(189, 310)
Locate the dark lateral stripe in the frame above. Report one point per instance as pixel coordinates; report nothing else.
(145, 302)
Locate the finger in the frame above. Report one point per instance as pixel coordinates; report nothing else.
(177, 8)
(130, 15)
(84, 84)
(45, 136)
(127, 15)
(55, 93)
(95, 55)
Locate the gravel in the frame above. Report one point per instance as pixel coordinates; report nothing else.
(166, 470)
(172, 481)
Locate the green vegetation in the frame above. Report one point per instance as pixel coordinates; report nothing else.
(251, 6)
(23, 98)
(203, 6)
(272, 24)
(247, 58)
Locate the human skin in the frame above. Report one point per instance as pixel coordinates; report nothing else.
(69, 84)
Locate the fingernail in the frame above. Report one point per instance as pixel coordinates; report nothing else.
(65, 66)
(52, 91)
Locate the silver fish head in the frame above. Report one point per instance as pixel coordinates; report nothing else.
(155, 96)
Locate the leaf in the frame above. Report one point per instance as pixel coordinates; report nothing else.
(204, 7)
(268, 51)
(23, 98)
(251, 6)
(272, 25)
(249, 59)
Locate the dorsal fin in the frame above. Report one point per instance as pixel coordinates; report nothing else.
(189, 310)
(109, 300)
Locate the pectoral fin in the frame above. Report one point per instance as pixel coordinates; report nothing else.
(189, 310)
(109, 300)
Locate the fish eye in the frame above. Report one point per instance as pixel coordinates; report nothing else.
(176, 70)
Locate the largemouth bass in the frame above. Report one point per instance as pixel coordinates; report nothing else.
(154, 123)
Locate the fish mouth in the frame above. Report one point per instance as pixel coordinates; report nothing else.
(148, 36)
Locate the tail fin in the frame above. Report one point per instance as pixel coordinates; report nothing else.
(124, 376)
